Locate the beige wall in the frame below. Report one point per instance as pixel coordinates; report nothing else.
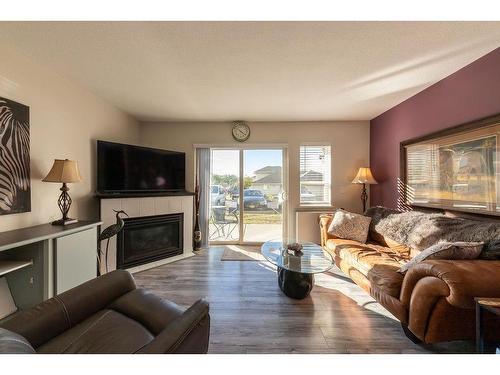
(349, 141)
(65, 121)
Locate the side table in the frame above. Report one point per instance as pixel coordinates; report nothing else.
(490, 306)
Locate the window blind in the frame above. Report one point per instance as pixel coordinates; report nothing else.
(315, 175)
(422, 172)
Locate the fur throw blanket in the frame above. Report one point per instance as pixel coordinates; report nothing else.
(419, 230)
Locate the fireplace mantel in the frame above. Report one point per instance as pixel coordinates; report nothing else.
(148, 206)
(143, 195)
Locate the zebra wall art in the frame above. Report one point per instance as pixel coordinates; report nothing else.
(15, 185)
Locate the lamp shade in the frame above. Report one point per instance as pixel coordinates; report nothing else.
(64, 171)
(364, 176)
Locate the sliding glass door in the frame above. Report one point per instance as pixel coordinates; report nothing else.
(256, 214)
(224, 217)
(262, 195)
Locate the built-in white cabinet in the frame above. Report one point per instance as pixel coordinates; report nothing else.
(75, 259)
(42, 261)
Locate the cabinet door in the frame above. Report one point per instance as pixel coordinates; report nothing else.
(75, 259)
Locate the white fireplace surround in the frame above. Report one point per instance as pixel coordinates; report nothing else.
(147, 206)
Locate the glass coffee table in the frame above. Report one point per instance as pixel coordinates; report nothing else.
(296, 272)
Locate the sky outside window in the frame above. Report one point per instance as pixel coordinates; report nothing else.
(225, 161)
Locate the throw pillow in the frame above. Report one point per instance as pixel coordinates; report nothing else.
(446, 250)
(350, 226)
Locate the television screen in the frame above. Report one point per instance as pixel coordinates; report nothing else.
(135, 169)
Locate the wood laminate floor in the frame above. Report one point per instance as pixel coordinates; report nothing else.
(250, 314)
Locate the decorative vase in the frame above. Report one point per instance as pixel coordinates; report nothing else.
(197, 231)
(197, 234)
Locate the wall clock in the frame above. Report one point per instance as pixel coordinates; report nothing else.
(240, 131)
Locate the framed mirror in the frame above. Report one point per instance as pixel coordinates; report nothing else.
(455, 169)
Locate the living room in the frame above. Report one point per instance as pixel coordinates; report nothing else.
(249, 186)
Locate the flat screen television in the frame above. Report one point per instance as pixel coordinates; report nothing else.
(133, 169)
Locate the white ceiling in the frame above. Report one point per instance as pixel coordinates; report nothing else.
(254, 71)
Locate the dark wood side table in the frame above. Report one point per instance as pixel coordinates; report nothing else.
(489, 306)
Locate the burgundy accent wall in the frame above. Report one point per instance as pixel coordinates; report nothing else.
(471, 93)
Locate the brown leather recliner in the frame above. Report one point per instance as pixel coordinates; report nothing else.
(107, 315)
(434, 300)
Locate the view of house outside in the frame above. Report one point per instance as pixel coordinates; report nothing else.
(315, 171)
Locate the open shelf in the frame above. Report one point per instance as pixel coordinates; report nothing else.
(7, 266)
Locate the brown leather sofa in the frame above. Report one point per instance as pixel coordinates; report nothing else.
(107, 315)
(434, 300)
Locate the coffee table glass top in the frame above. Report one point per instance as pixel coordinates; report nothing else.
(313, 259)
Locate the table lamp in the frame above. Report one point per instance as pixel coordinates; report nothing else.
(64, 171)
(364, 177)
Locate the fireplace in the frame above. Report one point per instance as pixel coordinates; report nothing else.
(149, 238)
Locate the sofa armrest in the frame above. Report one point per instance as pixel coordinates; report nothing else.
(464, 279)
(424, 296)
(96, 294)
(50, 318)
(455, 281)
(324, 223)
(178, 330)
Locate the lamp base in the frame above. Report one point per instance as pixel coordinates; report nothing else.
(364, 197)
(64, 203)
(66, 221)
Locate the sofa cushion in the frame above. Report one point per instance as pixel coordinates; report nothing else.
(382, 240)
(446, 250)
(333, 243)
(350, 226)
(105, 332)
(377, 263)
(366, 255)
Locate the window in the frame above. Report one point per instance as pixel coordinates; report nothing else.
(315, 180)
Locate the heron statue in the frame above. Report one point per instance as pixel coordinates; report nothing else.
(109, 232)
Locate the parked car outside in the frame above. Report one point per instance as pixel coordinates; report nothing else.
(254, 199)
(217, 195)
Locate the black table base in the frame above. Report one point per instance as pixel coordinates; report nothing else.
(295, 284)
